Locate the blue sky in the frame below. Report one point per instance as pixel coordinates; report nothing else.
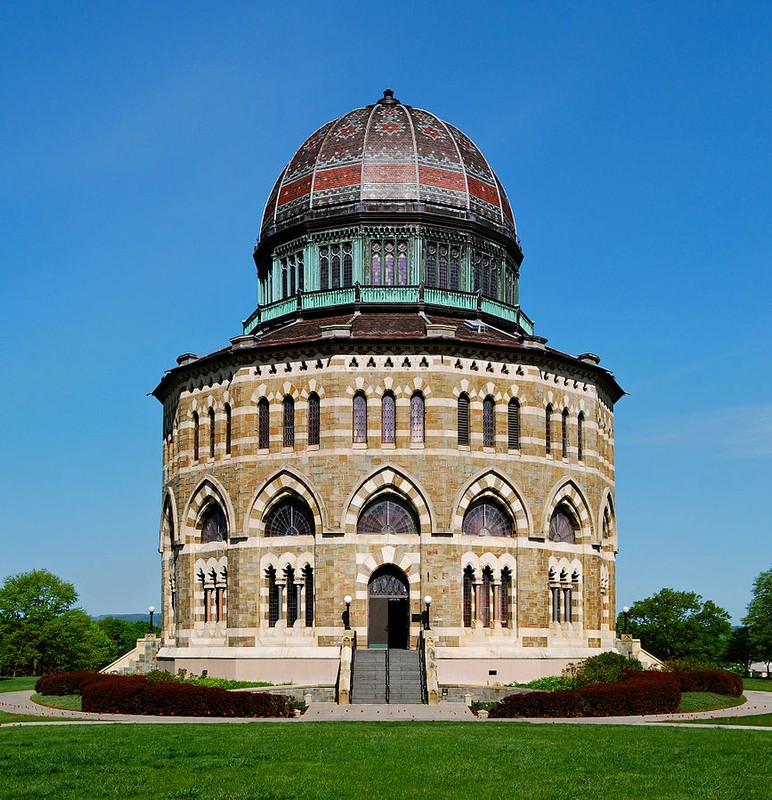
(139, 142)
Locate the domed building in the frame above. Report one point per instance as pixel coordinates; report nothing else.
(388, 454)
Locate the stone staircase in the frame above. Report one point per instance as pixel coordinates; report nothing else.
(368, 683)
(404, 677)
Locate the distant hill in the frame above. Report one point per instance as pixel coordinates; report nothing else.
(128, 617)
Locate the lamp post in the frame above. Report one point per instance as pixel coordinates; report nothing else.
(625, 612)
(428, 601)
(347, 613)
(151, 609)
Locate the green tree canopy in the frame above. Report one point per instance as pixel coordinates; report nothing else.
(41, 631)
(739, 649)
(673, 624)
(759, 617)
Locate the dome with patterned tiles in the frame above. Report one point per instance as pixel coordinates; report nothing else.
(388, 156)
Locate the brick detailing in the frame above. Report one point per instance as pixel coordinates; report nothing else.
(208, 490)
(569, 493)
(279, 487)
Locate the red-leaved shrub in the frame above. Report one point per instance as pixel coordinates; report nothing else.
(61, 683)
(710, 680)
(634, 695)
(132, 694)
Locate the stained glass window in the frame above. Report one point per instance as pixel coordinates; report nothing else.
(376, 276)
(562, 527)
(288, 408)
(228, 429)
(417, 417)
(313, 418)
(580, 436)
(388, 419)
(263, 429)
(211, 433)
(489, 422)
(290, 517)
(301, 273)
(564, 433)
(292, 274)
(292, 596)
(443, 276)
(214, 525)
(284, 278)
(484, 274)
(402, 263)
(463, 420)
(454, 260)
(195, 436)
(431, 265)
(336, 266)
(476, 270)
(494, 282)
(347, 265)
(388, 264)
(360, 418)
(484, 611)
(324, 268)
(486, 518)
(513, 424)
(387, 516)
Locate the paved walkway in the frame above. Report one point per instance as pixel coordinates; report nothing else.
(20, 703)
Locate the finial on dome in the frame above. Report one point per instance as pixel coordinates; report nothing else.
(388, 98)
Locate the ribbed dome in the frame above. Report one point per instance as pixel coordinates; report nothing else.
(387, 156)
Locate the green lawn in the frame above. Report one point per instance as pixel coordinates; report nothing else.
(707, 701)
(364, 760)
(757, 684)
(71, 702)
(18, 684)
(756, 720)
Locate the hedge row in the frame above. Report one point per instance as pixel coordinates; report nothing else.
(709, 680)
(132, 694)
(638, 693)
(61, 683)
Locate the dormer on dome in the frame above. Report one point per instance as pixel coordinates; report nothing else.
(388, 196)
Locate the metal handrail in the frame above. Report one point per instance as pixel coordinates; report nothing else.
(387, 673)
(422, 669)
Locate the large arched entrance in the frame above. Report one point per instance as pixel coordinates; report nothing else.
(388, 608)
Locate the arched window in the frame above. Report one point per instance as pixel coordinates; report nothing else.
(563, 526)
(463, 420)
(308, 581)
(359, 427)
(313, 418)
(431, 265)
(228, 429)
(335, 266)
(347, 265)
(263, 429)
(417, 418)
(443, 263)
(489, 422)
(214, 525)
(486, 518)
(506, 591)
(564, 433)
(288, 426)
(284, 278)
(274, 597)
(324, 267)
(454, 260)
(376, 274)
(290, 517)
(402, 263)
(484, 602)
(211, 433)
(293, 601)
(513, 424)
(468, 592)
(548, 429)
(388, 419)
(387, 515)
(580, 436)
(196, 436)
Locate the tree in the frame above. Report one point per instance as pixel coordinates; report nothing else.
(739, 649)
(123, 634)
(41, 630)
(759, 617)
(673, 624)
